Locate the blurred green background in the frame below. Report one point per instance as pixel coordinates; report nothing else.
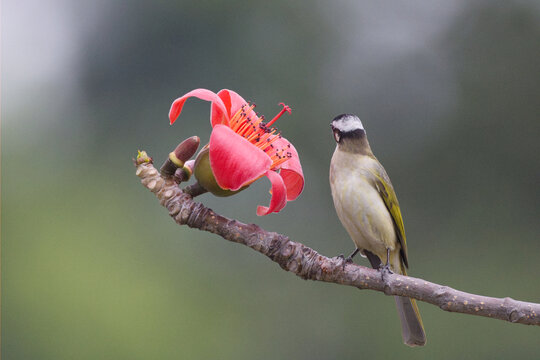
(94, 268)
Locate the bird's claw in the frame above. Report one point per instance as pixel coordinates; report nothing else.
(385, 270)
(344, 260)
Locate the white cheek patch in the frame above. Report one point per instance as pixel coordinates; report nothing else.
(349, 123)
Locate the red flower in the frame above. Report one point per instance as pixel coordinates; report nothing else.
(243, 148)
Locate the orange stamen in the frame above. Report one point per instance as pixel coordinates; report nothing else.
(239, 122)
(260, 134)
(236, 117)
(256, 134)
(243, 120)
(244, 129)
(258, 120)
(268, 143)
(264, 142)
(278, 159)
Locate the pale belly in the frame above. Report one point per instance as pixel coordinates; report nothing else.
(363, 214)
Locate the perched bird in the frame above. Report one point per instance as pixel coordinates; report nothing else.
(368, 208)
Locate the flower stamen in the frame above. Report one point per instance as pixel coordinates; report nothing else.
(260, 134)
(279, 158)
(233, 123)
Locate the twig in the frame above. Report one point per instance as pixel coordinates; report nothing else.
(310, 265)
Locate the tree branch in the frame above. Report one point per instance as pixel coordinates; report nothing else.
(310, 265)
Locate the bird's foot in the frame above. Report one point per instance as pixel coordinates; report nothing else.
(385, 270)
(344, 260)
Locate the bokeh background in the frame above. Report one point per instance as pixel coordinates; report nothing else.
(94, 268)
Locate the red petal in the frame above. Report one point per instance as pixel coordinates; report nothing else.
(291, 170)
(233, 102)
(218, 115)
(279, 198)
(235, 161)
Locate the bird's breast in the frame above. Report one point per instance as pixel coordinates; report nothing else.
(358, 204)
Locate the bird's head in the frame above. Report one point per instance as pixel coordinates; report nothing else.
(347, 126)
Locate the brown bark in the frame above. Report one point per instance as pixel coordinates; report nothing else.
(310, 265)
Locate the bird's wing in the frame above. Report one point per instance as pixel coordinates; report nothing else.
(387, 193)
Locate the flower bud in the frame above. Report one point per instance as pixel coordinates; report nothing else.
(183, 152)
(142, 157)
(184, 173)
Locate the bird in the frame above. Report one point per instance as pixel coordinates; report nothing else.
(368, 209)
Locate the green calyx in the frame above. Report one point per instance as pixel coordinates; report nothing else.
(205, 177)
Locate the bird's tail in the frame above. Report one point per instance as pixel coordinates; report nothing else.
(412, 329)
